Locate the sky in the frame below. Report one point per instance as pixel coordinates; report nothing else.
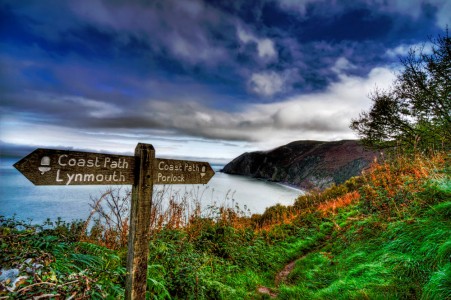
(199, 79)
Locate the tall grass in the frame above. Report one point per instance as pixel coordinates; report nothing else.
(392, 240)
(383, 235)
(172, 209)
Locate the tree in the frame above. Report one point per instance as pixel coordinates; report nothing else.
(415, 113)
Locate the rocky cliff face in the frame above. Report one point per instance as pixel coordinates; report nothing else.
(305, 164)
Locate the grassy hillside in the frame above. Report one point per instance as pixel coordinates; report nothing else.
(383, 235)
(390, 240)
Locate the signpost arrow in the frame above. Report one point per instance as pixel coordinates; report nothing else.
(62, 167)
(172, 171)
(142, 171)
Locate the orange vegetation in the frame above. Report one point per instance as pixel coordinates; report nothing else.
(333, 205)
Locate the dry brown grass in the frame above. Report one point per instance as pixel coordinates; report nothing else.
(345, 200)
(187, 210)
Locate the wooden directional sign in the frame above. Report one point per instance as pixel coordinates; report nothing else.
(171, 171)
(61, 167)
(143, 170)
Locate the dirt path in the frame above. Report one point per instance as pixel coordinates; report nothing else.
(280, 278)
(282, 275)
(267, 291)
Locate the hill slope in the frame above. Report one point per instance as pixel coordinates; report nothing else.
(305, 164)
(383, 235)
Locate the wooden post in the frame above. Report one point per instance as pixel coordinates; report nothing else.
(63, 167)
(139, 235)
(143, 170)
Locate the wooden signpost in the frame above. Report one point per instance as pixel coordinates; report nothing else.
(61, 167)
(143, 170)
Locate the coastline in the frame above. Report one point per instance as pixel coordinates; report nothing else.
(291, 186)
(43, 202)
(284, 184)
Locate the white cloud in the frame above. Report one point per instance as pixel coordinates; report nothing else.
(265, 46)
(94, 108)
(297, 5)
(20, 132)
(320, 116)
(244, 36)
(195, 52)
(266, 84)
(342, 64)
(415, 7)
(180, 28)
(403, 49)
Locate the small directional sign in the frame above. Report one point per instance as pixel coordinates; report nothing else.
(62, 167)
(171, 171)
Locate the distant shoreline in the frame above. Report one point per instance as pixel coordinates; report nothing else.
(291, 186)
(284, 184)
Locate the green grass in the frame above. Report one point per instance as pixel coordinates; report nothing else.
(393, 243)
(378, 259)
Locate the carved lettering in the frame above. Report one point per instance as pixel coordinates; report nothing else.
(71, 178)
(163, 166)
(60, 160)
(191, 167)
(58, 179)
(107, 160)
(88, 177)
(81, 162)
(171, 178)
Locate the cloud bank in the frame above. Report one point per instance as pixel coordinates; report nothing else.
(234, 74)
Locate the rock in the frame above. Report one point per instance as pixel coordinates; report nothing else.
(33, 268)
(305, 164)
(16, 283)
(10, 279)
(10, 274)
(28, 261)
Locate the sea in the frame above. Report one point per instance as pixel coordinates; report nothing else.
(20, 199)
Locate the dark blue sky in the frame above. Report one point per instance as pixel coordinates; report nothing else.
(199, 78)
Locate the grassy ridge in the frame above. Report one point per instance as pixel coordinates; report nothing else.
(392, 242)
(369, 257)
(383, 235)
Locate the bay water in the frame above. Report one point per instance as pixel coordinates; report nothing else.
(20, 198)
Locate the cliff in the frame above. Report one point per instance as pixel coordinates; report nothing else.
(305, 164)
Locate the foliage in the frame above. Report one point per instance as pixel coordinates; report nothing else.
(52, 264)
(108, 221)
(416, 112)
(384, 235)
(392, 243)
(394, 188)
